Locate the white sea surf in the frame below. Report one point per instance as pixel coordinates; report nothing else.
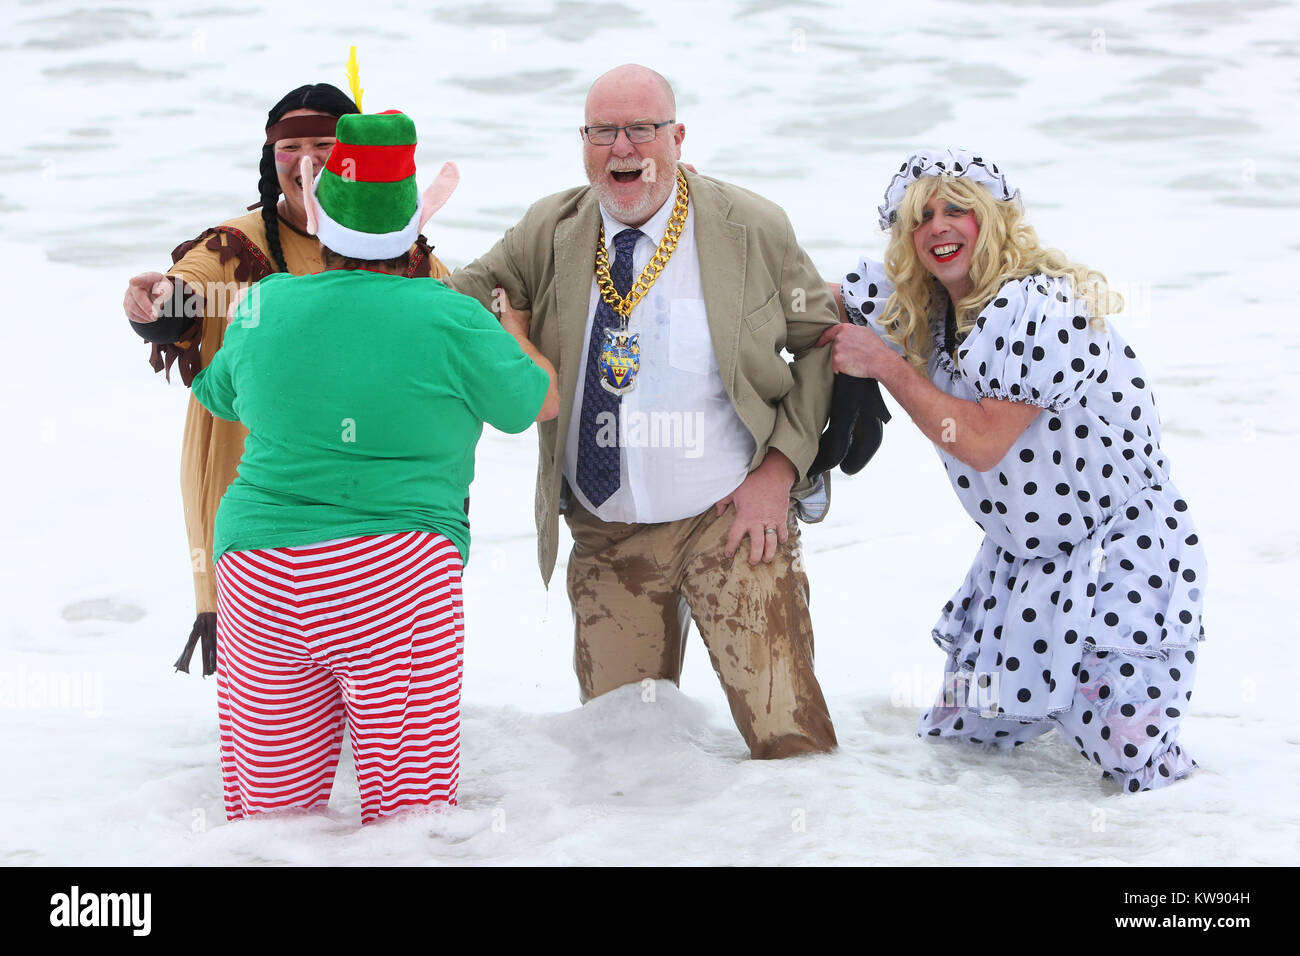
(1154, 140)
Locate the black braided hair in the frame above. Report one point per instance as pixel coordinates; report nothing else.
(318, 96)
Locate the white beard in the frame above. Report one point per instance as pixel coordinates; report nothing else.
(635, 213)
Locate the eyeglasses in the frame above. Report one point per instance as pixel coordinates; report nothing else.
(636, 133)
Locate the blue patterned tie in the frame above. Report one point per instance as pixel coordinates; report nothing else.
(598, 464)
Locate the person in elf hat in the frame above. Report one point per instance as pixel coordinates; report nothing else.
(183, 313)
(339, 546)
(1082, 608)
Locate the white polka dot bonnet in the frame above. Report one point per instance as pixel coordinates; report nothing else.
(942, 162)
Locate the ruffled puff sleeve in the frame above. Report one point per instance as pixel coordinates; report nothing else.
(1034, 343)
(865, 292)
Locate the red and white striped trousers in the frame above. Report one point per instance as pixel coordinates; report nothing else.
(370, 628)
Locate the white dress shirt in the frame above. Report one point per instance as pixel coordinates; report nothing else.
(682, 446)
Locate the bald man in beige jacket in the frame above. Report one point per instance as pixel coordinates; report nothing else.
(665, 546)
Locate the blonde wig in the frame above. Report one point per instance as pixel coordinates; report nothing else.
(1007, 249)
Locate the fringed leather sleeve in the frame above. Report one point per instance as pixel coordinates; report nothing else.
(251, 265)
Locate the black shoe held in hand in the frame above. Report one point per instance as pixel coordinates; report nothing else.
(856, 427)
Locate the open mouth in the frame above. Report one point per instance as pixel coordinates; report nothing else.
(946, 252)
(625, 175)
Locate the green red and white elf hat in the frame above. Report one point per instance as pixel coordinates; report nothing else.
(367, 203)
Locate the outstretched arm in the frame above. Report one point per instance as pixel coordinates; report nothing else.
(977, 433)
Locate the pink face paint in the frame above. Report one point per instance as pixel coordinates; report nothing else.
(285, 158)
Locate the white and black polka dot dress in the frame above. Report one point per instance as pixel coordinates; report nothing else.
(1082, 609)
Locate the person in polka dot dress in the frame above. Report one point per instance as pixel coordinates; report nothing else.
(1082, 608)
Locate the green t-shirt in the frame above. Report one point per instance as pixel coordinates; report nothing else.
(364, 395)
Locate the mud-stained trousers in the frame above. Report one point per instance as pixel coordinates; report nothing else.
(635, 588)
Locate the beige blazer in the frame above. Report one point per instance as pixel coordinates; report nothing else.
(761, 293)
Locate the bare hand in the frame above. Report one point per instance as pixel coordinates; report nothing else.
(857, 350)
(145, 294)
(762, 508)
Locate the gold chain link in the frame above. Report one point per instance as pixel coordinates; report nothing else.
(676, 223)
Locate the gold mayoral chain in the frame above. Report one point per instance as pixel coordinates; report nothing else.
(620, 356)
(676, 223)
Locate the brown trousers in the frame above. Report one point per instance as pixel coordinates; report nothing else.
(635, 588)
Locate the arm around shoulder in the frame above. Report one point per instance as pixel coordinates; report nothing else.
(978, 433)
